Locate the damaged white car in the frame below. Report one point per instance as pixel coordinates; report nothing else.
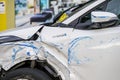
(85, 46)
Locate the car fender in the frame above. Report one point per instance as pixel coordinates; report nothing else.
(17, 52)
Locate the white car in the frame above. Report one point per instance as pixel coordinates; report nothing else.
(85, 46)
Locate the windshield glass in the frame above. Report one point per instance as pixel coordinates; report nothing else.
(71, 11)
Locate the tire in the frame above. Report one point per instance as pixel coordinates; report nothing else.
(26, 74)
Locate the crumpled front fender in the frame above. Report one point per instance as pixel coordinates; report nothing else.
(16, 52)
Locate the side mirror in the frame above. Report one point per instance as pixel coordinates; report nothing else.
(101, 17)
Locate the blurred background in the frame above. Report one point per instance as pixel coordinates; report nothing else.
(27, 9)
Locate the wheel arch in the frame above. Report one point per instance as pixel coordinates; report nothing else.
(39, 64)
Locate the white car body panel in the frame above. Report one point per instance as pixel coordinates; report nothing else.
(98, 58)
(92, 55)
(24, 33)
(16, 52)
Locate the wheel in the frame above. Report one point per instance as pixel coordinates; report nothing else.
(26, 74)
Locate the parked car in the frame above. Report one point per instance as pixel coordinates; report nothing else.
(85, 46)
(42, 17)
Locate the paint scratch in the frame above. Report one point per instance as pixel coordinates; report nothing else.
(71, 53)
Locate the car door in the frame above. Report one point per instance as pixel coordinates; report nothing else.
(94, 54)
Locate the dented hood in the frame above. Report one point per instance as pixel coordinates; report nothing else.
(24, 33)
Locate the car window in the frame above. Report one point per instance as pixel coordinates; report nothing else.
(114, 7)
(71, 11)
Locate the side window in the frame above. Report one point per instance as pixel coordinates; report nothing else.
(114, 7)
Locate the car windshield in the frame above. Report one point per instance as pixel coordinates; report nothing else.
(71, 11)
(79, 7)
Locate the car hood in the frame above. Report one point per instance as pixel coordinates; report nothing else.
(18, 34)
(23, 33)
